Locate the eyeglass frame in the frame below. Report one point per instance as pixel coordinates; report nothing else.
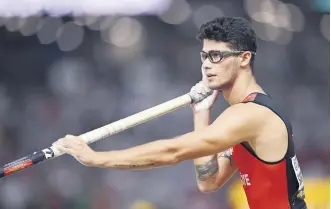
(223, 54)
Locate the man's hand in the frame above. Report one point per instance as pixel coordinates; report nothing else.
(77, 147)
(209, 101)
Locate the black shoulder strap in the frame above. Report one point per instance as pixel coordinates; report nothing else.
(266, 101)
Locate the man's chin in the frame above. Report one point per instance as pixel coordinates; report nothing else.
(215, 87)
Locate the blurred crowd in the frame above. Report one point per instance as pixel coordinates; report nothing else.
(52, 84)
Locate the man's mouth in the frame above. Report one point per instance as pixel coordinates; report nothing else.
(210, 75)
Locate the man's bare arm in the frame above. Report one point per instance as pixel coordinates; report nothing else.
(220, 169)
(233, 126)
(206, 167)
(211, 171)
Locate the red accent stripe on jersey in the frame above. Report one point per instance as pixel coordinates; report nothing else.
(250, 98)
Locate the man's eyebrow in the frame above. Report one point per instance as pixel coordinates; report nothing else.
(207, 50)
(212, 50)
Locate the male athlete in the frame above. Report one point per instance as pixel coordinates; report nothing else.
(251, 136)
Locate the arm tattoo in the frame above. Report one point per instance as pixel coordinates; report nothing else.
(227, 154)
(207, 169)
(134, 166)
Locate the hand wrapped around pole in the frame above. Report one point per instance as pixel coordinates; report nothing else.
(206, 97)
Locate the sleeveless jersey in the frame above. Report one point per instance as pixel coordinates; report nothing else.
(270, 185)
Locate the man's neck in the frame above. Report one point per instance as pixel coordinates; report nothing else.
(244, 85)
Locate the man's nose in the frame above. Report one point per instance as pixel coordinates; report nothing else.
(204, 70)
(205, 67)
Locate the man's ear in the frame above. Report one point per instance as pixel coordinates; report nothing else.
(245, 59)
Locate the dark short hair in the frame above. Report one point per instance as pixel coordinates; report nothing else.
(237, 32)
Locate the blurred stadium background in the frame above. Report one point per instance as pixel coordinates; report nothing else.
(68, 67)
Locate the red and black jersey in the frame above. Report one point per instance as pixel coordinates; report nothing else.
(270, 185)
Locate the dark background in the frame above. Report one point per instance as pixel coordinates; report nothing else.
(63, 74)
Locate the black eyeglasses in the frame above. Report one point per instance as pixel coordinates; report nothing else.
(217, 56)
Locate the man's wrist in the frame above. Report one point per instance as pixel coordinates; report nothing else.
(201, 112)
(201, 119)
(97, 160)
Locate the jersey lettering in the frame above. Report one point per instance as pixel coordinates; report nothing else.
(297, 171)
(245, 179)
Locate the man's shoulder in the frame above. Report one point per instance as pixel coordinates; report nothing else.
(249, 111)
(251, 118)
(240, 122)
(243, 117)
